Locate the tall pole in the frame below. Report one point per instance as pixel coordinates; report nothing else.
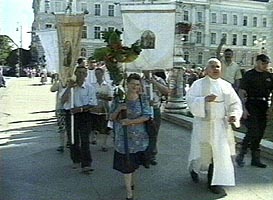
(19, 28)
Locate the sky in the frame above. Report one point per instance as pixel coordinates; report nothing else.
(15, 14)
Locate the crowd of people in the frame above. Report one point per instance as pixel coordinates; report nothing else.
(87, 108)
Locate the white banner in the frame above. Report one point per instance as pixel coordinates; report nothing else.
(49, 40)
(154, 25)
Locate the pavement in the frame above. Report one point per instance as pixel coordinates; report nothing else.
(32, 169)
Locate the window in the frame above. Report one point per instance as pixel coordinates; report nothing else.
(47, 5)
(58, 6)
(111, 28)
(254, 22)
(48, 25)
(235, 20)
(213, 18)
(254, 38)
(97, 9)
(200, 58)
(199, 17)
(245, 21)
(111, 10)
(97, 32)
(213, 38)
(199, 37)
(83, 6)
(244, 40)
(84, 32)
(224, 18)
(83, 52)
(234, 39)
(264, 22)
(185, 38)
(187, 56)
(186, 15)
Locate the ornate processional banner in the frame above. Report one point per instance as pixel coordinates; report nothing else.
(154, 25)
(69, 28)
(49, 41)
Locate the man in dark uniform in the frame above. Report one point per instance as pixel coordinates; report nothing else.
(255, 88)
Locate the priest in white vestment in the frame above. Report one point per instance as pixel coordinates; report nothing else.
(215, 105)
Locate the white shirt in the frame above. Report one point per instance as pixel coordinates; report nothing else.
(83, 96)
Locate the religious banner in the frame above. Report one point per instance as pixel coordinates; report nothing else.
(69, 28)
(49, 41)
(154, 25)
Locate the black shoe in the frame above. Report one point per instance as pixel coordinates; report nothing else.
(239, 161)
(153, 162)
(60, 149)
(258, 164)
(194, 176)
(130, 198)
(215, 189)
(146, 165)
(104, 149)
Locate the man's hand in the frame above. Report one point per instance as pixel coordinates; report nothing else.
(223, 40)
(232, 119)
(210, 98)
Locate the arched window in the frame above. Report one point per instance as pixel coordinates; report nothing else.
(83, 52)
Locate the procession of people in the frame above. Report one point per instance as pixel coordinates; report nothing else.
(213, 101)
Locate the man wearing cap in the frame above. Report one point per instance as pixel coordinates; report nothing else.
(254, 92)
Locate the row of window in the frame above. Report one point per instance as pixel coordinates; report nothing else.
(60, 6)
(224, 19)
(233, 41)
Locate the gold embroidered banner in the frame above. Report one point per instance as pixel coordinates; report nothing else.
(69, 29)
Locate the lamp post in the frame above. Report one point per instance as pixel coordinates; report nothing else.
(19, 28)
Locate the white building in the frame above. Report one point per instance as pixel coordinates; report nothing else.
(247, 24)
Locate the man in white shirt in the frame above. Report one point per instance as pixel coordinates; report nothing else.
(231, 71)
(84, 97)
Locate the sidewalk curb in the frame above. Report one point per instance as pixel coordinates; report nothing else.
(181, 120)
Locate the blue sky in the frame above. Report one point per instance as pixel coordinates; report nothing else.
(16, 13)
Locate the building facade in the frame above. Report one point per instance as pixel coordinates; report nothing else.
(247, 25)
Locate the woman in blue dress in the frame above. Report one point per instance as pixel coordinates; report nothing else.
(130, 148)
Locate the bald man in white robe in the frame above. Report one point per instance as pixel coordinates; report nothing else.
(215, 105)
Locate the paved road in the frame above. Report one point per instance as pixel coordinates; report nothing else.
(32, 169)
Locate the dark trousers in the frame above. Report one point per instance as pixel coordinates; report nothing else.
(255, 123)
(153, 138)
(80, 150)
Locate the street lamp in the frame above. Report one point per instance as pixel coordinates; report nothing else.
(19, 28)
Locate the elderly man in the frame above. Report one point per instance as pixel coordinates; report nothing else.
(84, 98)
(215, 105)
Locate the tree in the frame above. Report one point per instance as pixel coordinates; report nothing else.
(5, 48)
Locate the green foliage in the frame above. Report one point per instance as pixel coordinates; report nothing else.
(5, 49)
(115, 53)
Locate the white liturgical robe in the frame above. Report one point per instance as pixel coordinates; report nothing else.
(212, 135)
